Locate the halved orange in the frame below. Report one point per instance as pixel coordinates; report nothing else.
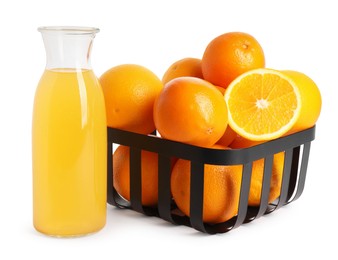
(263, 104)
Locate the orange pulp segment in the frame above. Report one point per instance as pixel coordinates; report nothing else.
(263, 104)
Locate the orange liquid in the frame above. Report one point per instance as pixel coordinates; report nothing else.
(69, 154)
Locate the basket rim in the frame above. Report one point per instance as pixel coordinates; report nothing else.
(204, 155)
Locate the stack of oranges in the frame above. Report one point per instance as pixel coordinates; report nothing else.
(227, 99)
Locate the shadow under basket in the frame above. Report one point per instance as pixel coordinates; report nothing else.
(296, 147)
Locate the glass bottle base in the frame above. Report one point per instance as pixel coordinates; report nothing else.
(70, 235)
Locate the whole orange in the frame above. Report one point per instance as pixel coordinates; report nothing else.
(129, 92)
(149, 175)
(191, 110)
(228, 137)
(185, 67)
(222, 184)
(240, 142)
(257, 179)
(229, 134)
(311, 100)
(229, 55)
(221, 189)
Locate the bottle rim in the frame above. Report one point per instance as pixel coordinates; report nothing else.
(71, 30)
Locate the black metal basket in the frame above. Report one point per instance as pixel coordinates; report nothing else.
(295, 146)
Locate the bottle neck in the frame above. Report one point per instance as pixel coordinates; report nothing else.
(68, 47)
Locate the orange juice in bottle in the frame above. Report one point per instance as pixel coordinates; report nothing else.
(69, 138)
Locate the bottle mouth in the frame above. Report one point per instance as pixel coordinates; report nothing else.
(71, 30)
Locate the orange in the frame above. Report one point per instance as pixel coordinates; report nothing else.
(129, 92)
(257, 179)
(228, 137)
(229, 55)
(229, 134)
(240, 142)
(263, 104)
(185, 67)
(222, 90)
(191, 110)
(221, 189)
(222, 185)
(149, 175)
(310, 98)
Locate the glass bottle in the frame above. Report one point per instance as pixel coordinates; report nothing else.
(69, 137)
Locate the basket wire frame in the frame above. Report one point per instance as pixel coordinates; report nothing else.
(296, 148)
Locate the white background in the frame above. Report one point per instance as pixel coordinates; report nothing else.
(299, 35)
